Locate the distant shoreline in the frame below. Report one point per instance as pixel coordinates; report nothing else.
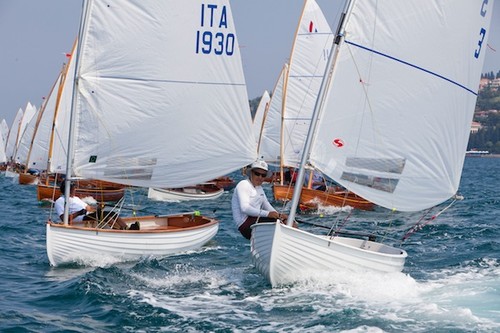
(484, 156)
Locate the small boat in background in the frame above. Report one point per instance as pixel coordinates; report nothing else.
(30, 177)
(476, 153)
(205, 191)
(101, 191)
(310, 198)
(225, 182)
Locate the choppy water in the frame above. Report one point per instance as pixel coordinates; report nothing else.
(451, 282)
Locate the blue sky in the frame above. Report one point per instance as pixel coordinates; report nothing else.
(35, 35)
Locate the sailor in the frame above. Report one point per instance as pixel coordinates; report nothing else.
(250, 204)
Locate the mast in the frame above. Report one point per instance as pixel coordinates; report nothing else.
(69, 160)
(62, 80)
(283, 107)
(339, 38)
(266, 109)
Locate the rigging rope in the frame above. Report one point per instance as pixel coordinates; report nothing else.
(419, 226)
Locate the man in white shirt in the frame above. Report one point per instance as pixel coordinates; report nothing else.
(249, 203)
(79, 211)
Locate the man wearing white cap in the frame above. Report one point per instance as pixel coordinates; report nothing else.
(249, 202)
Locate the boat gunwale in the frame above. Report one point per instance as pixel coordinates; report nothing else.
(158, 229)
(402, 254)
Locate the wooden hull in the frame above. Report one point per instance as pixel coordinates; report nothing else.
(286, 255)
(100, 191)
(225, 182)
(28, 179)
(198, 192)
(327, 198)
(158, 236)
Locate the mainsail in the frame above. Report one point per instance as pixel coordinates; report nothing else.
(397, 117)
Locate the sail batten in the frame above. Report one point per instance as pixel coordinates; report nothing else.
(414, 66)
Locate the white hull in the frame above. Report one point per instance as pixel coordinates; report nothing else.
(284, 254)
(161, 194)
(159, 236)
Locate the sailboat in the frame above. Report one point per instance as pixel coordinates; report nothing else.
(4, 132)
(391, 123)
(3, 157)
(11, 141)
(203, 191)
(13, 145)
(151, 79)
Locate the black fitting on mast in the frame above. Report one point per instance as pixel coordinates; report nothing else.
(338, 36)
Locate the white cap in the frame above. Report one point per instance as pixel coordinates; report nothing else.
(259, 164)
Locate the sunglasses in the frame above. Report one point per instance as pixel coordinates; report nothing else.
(259, 174)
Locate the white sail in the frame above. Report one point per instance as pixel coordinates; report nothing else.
(307, 65)
(4, 128)
(157, 105)
(296, 91)
(10, 145)
(28, 114)
(23, 146)
(39, 150)
(270, 138)
(58, 142)
(259, 114)
(397, 117)
(3, 157)
(26, 130)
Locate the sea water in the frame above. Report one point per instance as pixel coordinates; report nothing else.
(451, 281)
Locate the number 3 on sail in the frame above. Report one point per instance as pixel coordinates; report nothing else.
(482, 33)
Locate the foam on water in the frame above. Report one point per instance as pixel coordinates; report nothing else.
(452, 298)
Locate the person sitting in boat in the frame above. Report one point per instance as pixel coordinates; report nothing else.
(290, 176)
(79, 211)
(318, 181)
(249, 202)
